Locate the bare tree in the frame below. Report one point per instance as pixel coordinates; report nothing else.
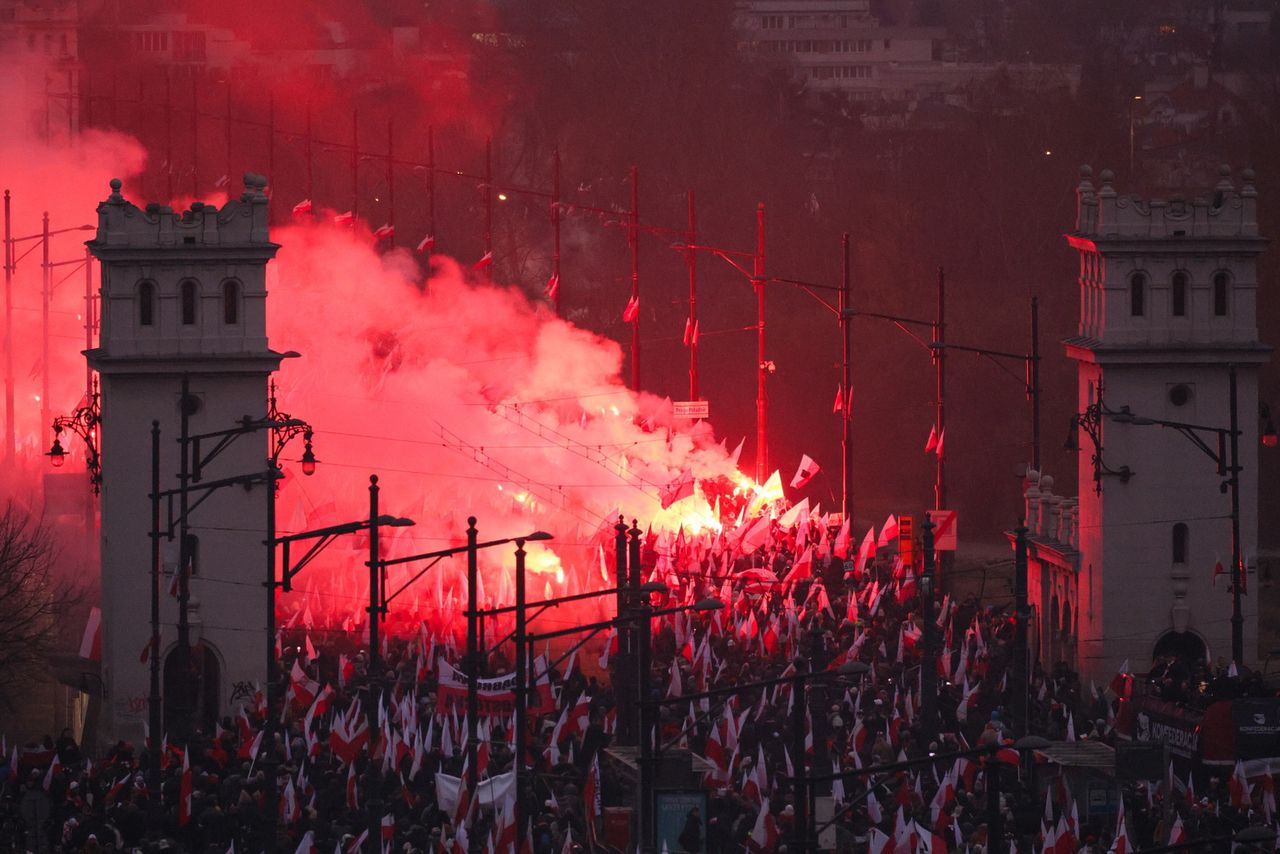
(32, 601)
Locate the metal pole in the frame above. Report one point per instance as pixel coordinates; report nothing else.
(309, 156)
(555, 229)
(183, 687)
(195, 139)
(691, 260)
(522, 690)
(646, 714)
(373, 842)
(271, 152)
(1237, 571)
(227, 129)
(90, 319)
(273, 670)
(939, 362)
(928, 663)
(391, 174)
(488, 195)
(633, 241)
(154, 817)
(846, 382)
(46, 294)
(473, 655)
(801, 797)
(634, 597)
(355, 165)
(1034, 386)
(431, 190)
(168, 131)
(762, 404)
(1021, 617)
(10, 431)
(622, 668)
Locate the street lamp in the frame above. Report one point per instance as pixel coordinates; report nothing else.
(84, 423)
(377, 570)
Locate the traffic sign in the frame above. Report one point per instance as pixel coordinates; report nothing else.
(944, 529)
(691, 409)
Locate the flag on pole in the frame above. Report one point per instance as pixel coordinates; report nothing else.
(941, 436)
(385, 232)
(1218, 569)
(631, 313)
(690, 332)
(932, 443)
(222, 182)
(344, 219)
(302, 208)
(485, 261)
(552, 290)
(681, 487)
(838, 406)
(807, 471)
(91, 643)
(426, 244)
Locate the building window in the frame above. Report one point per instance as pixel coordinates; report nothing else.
(1180, 543)
(230, 301)
(1178, 295)
(1220, 282)
(189, 296)
(1138, 295)
(146, 304)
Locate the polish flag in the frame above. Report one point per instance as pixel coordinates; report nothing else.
(842, 543)
(1178, 834)
(426, 244)
(631, 313)
(184, 793)
(932, 443)
(345, 219)
(145, 655)
(386, 232)
(1121, 843)
(302, 208)
(690, 332)
(552, 289)
(807, 471)
(485, 261)
(91, 643)
(889, 533)
(839, 405)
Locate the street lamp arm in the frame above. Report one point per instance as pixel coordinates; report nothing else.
(853, 312)
(209, 488)
(456, 550)
(981, 351)
(808, 288)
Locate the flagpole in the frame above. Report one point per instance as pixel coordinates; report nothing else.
(691, 258)
(939, 361)
(846, 380)
(762, 405)
(153, 698)
(633, 238)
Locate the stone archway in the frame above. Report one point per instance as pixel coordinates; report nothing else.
(194, 690)
(1187, 646)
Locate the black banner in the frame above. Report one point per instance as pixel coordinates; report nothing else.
(1257, 728)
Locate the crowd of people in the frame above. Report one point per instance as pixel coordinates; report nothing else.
(349, 754)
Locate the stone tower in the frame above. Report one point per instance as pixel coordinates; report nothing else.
(1167, 307)
(183, 297)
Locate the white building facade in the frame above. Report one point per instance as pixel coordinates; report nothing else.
(1167, 310)
(183, 296)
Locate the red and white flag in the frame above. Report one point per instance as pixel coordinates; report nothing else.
(807, 471)
(631, 313)
(690, 332)
(184, 792)
(302, 208)
(552, 290)
(680, 488)
(889, 533)
(485, 260)
(932, 443)
(345, 219)
(426, 244)
(91, 643)
(385, 232)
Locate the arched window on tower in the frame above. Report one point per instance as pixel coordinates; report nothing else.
(146, 303)
(1180, 543)
(1138, 295)
(230, 302)
(189, 299)
(1220, 283)
(1178, 295)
